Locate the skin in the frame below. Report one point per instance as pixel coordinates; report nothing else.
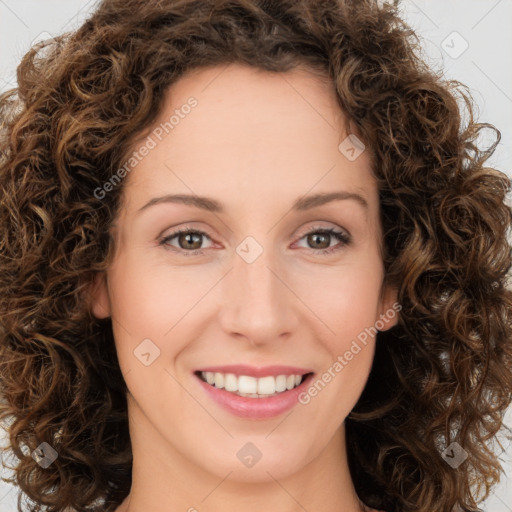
(255, 142)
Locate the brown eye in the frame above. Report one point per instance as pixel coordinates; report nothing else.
(319, 240)
(189, 242)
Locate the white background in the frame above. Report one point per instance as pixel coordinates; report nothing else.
(478, 54)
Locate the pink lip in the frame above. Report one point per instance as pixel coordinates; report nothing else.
(252, 371)
(256, 408)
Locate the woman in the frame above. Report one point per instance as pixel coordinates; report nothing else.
(251, 258)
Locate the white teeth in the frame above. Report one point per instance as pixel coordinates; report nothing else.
(219, 380)
(253, 387)
(231, 382)
(266, 386)
(280, 383)
(247, 384)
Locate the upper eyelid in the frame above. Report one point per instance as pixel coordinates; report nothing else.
(321, 228)
(306, 231)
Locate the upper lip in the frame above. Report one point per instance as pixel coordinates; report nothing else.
(253, 371)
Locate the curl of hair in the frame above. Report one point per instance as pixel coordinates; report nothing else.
(442, 374)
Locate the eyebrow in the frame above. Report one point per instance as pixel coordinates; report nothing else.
(212, 205)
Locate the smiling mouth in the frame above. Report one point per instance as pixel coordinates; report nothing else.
(252, 387)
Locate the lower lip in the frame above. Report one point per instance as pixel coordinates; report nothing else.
(256, 408)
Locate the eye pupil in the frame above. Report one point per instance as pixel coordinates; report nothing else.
(189, 240)
(316, 236)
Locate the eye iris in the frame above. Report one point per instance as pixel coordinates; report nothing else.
(189, 239)
(315, 236)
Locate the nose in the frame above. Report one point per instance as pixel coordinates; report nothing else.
(257, 303)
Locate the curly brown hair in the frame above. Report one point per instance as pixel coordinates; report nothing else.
(442, 374)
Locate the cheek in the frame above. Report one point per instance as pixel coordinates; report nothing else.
(148, 299)
(151, 303)
(349, 310)
(345, 299)
(347, 303)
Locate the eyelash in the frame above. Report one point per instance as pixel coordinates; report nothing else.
(339, 235)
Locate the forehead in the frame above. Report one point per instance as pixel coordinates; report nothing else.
(260, 132)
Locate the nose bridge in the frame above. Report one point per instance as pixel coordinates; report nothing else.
(256, 277)
(257, 301)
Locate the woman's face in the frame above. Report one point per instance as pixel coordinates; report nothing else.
(259, 288)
